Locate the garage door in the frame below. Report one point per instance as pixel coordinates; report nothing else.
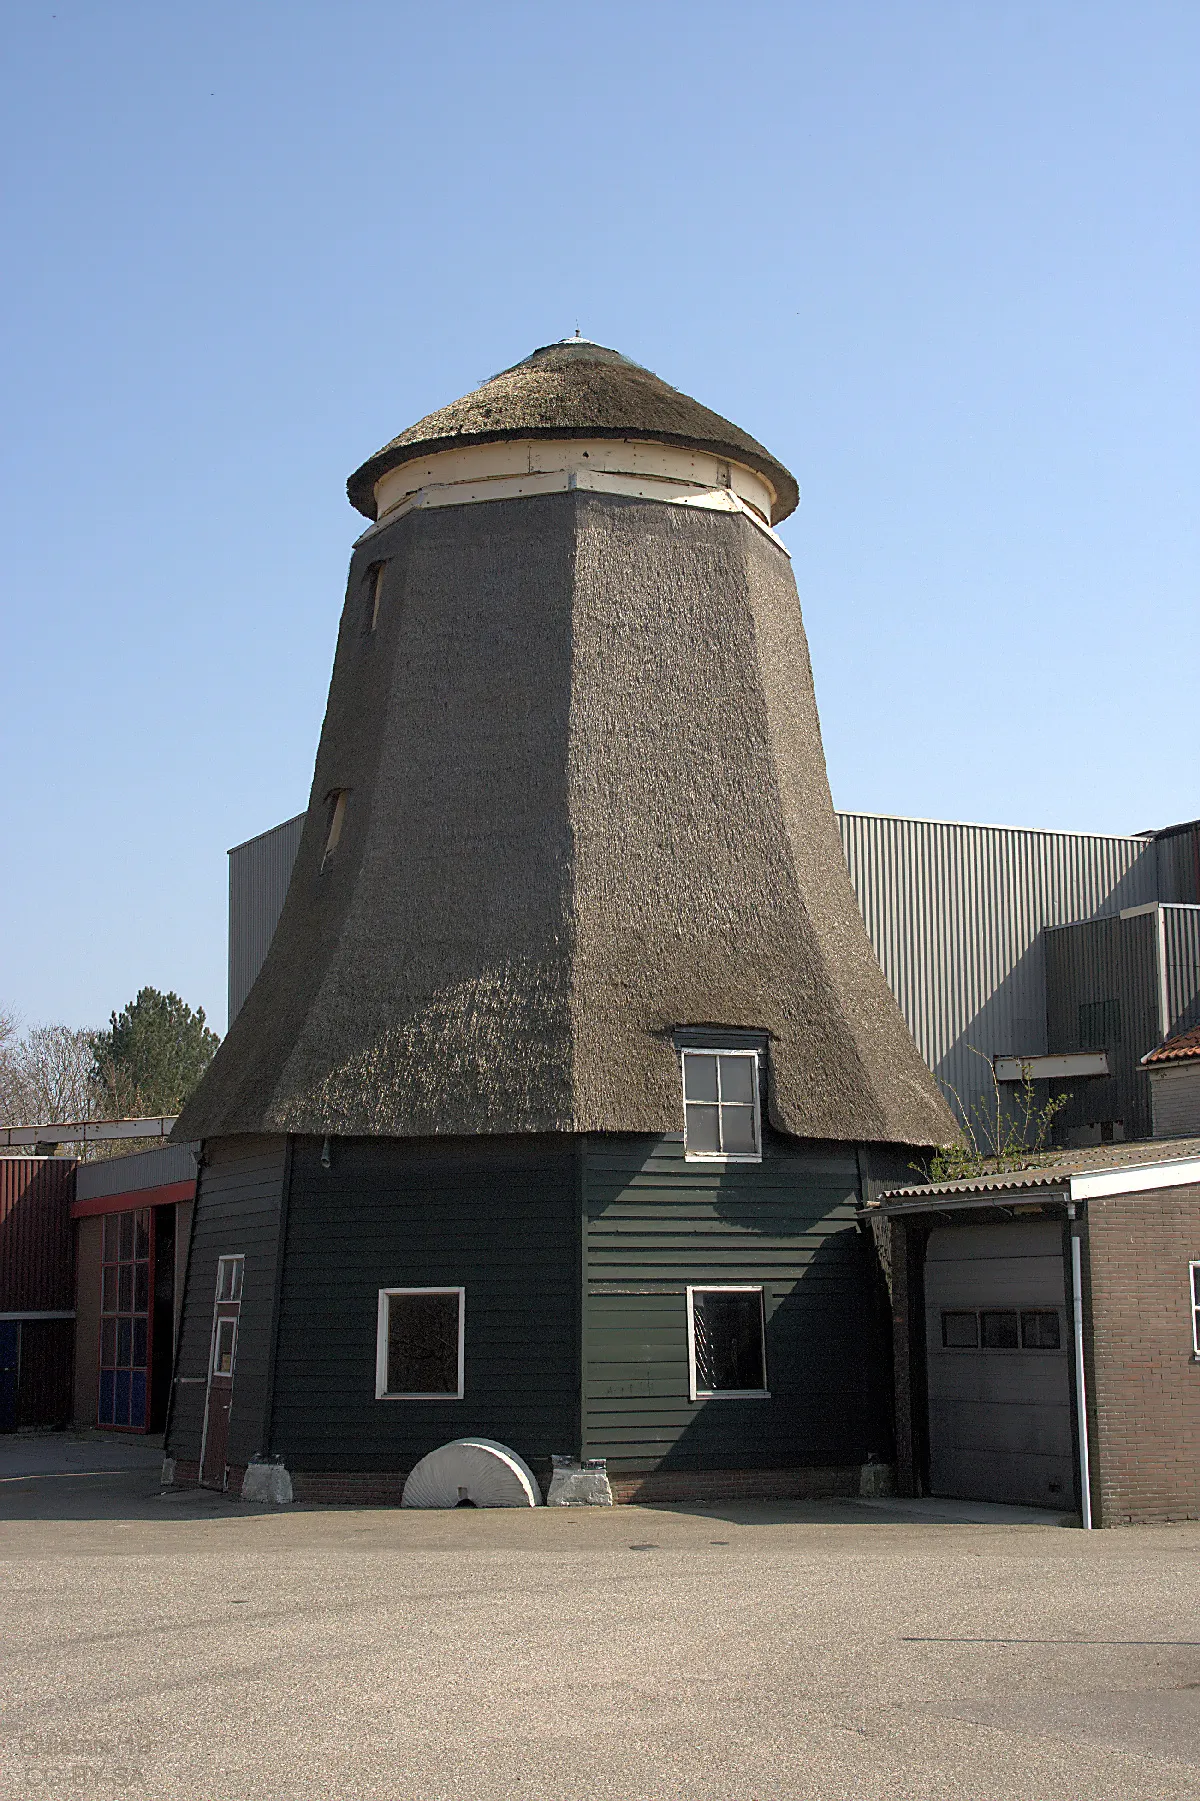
(997, 1356)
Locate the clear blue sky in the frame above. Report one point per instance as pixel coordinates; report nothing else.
(941, 258)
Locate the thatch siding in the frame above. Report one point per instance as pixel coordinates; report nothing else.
(575, 390)
(588, 804)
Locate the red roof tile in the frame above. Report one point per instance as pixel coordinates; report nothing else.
(1184, 1044)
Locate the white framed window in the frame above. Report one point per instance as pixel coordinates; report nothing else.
(224, 1344)
(720, 1106)
(229, 1278)
(1194, 1274)
(727, 1343)
(419, 1344)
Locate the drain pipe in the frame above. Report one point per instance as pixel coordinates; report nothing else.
(1085, 1468)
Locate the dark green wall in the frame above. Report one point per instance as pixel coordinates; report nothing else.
(237, 1212)
(655, 1224)
(498, 1217)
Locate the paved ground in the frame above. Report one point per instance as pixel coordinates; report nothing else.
(195, 1648)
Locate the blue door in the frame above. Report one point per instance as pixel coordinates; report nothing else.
(10, 1357)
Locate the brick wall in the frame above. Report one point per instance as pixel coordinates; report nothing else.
(1145, 1381)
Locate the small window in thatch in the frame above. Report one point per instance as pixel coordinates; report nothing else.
(336, 803)
(419, 1344)
(374, 585)
(720, 1105)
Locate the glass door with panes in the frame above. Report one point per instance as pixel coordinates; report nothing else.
(126, 1300)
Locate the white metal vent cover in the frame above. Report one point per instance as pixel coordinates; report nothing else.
(477, 1470)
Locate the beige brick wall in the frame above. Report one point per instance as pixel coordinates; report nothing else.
(1145, 1380)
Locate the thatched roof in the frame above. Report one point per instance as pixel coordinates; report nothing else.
(587, 806)
(574, 389)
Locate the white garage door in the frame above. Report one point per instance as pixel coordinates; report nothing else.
(997, 1355)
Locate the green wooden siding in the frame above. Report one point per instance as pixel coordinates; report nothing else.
(498, 1217)
(237, 1213)
(655, 1224)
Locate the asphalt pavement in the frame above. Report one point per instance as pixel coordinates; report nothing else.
(187, 1646)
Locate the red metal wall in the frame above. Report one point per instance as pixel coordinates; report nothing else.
(36, 1236)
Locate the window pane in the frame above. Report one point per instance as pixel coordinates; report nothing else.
(141, 1235)
(235, 1279)
(737, 1079)
(121, 1406)
(1196, 1283)
(141, 1287)
(223, 1350)
(108, 1294)
(139, 1344)
(699, 1077)
(124, 1343)
(125, 1288)
(998, 1331)
(700, 1128)
(112, 1237)
(126, 1220)
(729, 1347)
(1040, 1331)
(108, 1343)
(960, 1331)
(737, 1131)
(137, 1399)
(422, 1352)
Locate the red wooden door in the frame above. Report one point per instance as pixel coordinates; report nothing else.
(222, 1360)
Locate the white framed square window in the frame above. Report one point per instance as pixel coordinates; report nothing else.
(224, 1345)
(419, 1344)
(1194, 1285)
(727, 1343)
(721, 1122)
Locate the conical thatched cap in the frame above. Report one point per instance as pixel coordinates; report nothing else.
(570, 799)
(575, 389)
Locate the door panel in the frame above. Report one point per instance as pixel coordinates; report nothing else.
(999, 1418)
(222, 1363)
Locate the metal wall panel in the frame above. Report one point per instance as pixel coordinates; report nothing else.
(957, 913)
(1181, 941)
(36, 1244)
(1091, 966)
(141, 1169)
(259, 873)
(1178, 851)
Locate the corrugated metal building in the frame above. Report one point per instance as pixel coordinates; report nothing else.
(960, 917)
(36, 1291)
(1121, 985)
(259, 873)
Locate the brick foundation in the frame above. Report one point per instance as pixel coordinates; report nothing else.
(701, 1486)
(1145, 1382)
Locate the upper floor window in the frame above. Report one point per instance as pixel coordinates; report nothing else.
(335, 801)
(374, 585)
(720, 1105)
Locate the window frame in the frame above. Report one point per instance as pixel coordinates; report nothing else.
(726, 1394)
(754, 1056)
(382, 1391)
(223, 1320)
(1194, 1301)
